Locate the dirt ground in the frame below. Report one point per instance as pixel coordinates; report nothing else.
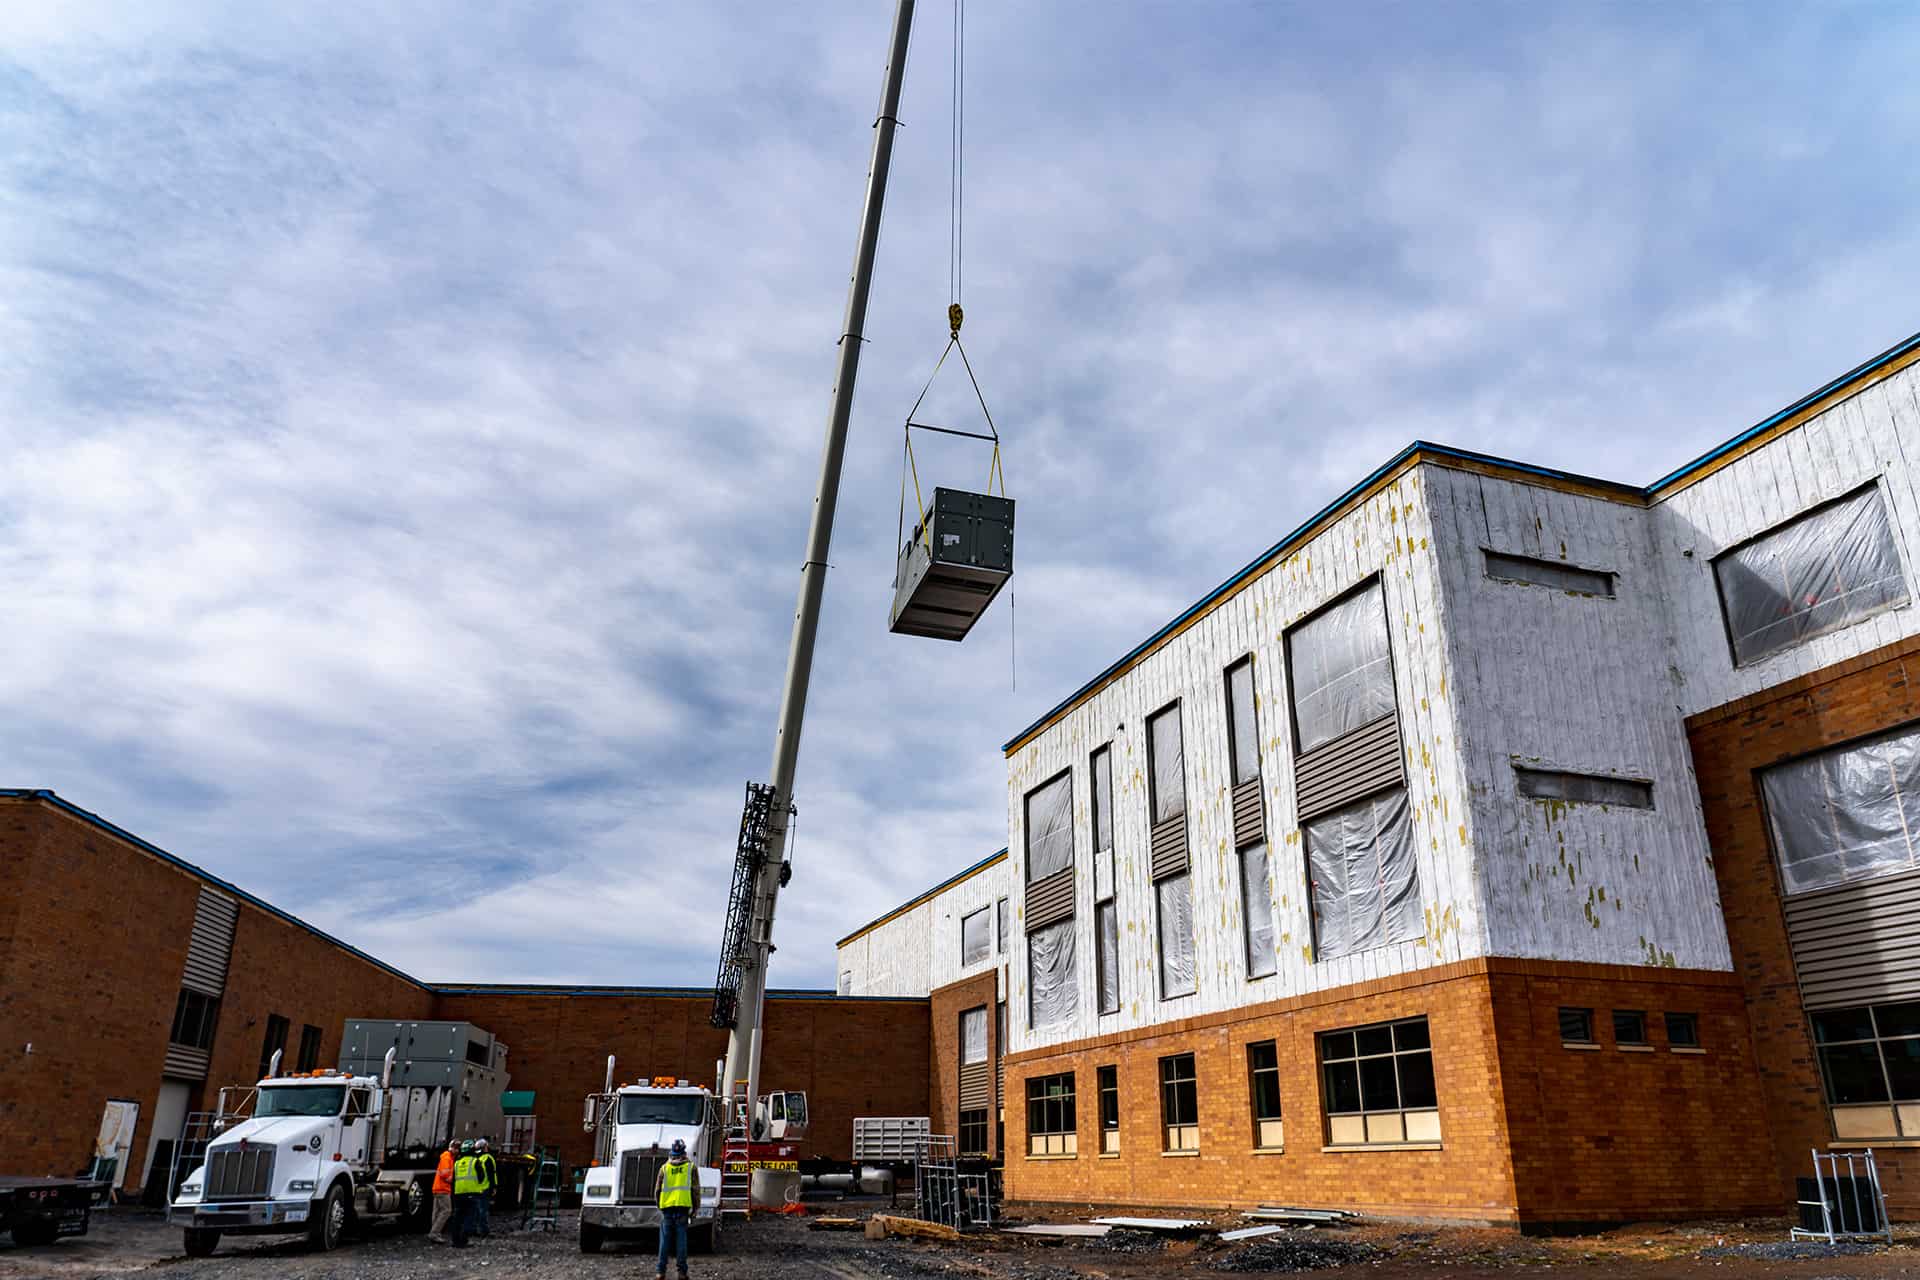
(122, 1243)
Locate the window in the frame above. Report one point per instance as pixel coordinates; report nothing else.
(1053, 994)
(1849, 813)
(1342, 674)
(1263, 1086)
(1243, 732)
(1870, 1060)
(1576, 1026)
(1109, 1081)
(1000, 924)
(309, 1048)
(1818, 572)
(973, 1036)
(1051, 1129)
(193, 1019)
(1683, 1031)
(1583, 788)
(1102, 767)
(1546, 573)
(1362, 876)
(1256, 897)
(976, 936)
(1106, 946)
(275, 1041)
(1179, 1104)
(359, 1105)
(1166, 766)
(1050, 827)
(973, 1132)
(846, 983)
(1379, 1084)
(1174, 897)
(1629, 1026)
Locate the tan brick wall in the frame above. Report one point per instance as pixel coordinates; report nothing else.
(1848, 700)
(943, 1062)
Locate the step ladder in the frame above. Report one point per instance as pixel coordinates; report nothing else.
(543, 1211)
(736, 1158)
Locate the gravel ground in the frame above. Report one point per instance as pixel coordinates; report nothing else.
(125, 1243)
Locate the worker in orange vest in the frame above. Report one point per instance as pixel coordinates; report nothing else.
(443, 1193)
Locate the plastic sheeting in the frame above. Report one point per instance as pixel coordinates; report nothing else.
(1244, 724)
(1054, 995)
(1106, 920)
(1257, 910)
(1103, 798)
(1366, 890)
(1341, 668)
(976, 936)
(1175, 900)
(1847, 814)
(1168, 764)
(1000, 924)
(973, 1036)
(1820, 572)
(1050, 828)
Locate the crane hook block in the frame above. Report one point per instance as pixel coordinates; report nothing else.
(954, 316)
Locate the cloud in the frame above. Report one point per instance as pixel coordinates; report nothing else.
(411, 415)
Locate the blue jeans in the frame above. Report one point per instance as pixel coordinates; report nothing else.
(673, 1234)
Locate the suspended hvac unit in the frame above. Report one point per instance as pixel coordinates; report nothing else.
(959, 557)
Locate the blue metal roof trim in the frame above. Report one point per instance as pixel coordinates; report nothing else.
(1892, 353)
(95, 820)
(922, 896)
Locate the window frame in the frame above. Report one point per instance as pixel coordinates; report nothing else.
(1102, 913)
(1099, 761)
(1586, 1016)
(278, 1027)
(1233, 737)
(1903, 1110)
(1642, 788)
(968, 960)
(1160, 939)
(1875, 486)
(1268, 1133)
(1153, 783)
(1642, 1041)
(1062, 1139)
(1002, 925)
(1026, 819)
(1372, 581)
(986, 1033)
(312, 1040)
(969, 1128)
(1609, 577)
(1107, 1085)
(203, 1023)
(1903, 729)
(1341, 1133)
(1689, 1020)
(1179, 1132)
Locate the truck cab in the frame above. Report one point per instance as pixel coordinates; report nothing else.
(635, 1126)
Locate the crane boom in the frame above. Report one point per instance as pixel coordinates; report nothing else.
(760, 866)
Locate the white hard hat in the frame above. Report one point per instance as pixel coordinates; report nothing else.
(482, 1144)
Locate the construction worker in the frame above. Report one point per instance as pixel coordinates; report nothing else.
(676, 1189)
(443, 1193)
(468, 1184)
(483, 1207)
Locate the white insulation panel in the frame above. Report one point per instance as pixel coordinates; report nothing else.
(918, 951)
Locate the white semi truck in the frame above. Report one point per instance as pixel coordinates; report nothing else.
(323, 1152)
(634, 1128)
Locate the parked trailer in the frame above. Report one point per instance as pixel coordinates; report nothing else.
(41, 1210)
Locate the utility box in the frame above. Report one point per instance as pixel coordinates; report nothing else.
(954, 565)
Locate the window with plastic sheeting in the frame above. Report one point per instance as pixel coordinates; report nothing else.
(1050, 827)
(976, 936)
(1166, 766)
(1817, 573)
(1243, 728)
(1101, 763)
(1106, 943)
(1340, 669)
(1052, 996)
(1174, 898)
(1362, 876)
(1000, 924)
(846, 984)
(1583, 788)
(973, 1036)
(1256, 898)
(1848, 813)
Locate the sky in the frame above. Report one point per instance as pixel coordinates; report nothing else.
(409, 414)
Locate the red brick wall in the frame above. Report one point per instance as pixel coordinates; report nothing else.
(851, 1057)
(1849, 700)
(943, 1063)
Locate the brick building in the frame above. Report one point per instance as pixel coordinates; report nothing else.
(1502, 844)
(133, 980)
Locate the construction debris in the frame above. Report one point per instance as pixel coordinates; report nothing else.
(1250, 1233)
(882, 1225)
(1289, 1252)
(1060, 1229)
(835, 1224)
(1154, 1224)
(1286, 1213)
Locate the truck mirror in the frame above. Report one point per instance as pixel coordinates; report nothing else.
(588, 1119)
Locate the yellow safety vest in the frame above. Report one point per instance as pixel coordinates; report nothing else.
(466, 1177)
(676, 1185)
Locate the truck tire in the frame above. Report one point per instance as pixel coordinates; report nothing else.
(330, 1224)
(201, 1242)
(419, 1211)
(591, 1237)
(705, 1239)
(34, 1232)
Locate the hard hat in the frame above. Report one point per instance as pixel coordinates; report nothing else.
(453, 1144)
(482, 1144)
(465, 1147)
(679, 1147)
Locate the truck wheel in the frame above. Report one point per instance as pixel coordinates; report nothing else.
(591, 1237)
(706, 1239)
(324, 1232)
(419, 1217)
(35, 1232)
(201, 1242)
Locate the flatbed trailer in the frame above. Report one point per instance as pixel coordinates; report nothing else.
(41, 1210)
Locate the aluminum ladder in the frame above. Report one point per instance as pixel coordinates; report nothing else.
(736, 1158)
(543, 1211)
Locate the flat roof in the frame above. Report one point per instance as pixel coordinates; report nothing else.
(1884, 365)
(952, 880)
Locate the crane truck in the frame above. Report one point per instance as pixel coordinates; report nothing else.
(322, 1152)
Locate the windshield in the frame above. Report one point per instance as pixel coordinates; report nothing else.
(663, 1108)
(300, 1100)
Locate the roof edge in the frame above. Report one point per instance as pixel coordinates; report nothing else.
(911, 903)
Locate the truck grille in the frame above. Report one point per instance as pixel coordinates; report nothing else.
(239, 1174)
(638, 1169)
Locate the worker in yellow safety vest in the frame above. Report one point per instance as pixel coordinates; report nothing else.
(469, 1185)
(676, 1189)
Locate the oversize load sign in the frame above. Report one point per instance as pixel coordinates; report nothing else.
(777, 1166)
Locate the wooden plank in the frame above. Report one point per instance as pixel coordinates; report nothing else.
(910, 1228)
